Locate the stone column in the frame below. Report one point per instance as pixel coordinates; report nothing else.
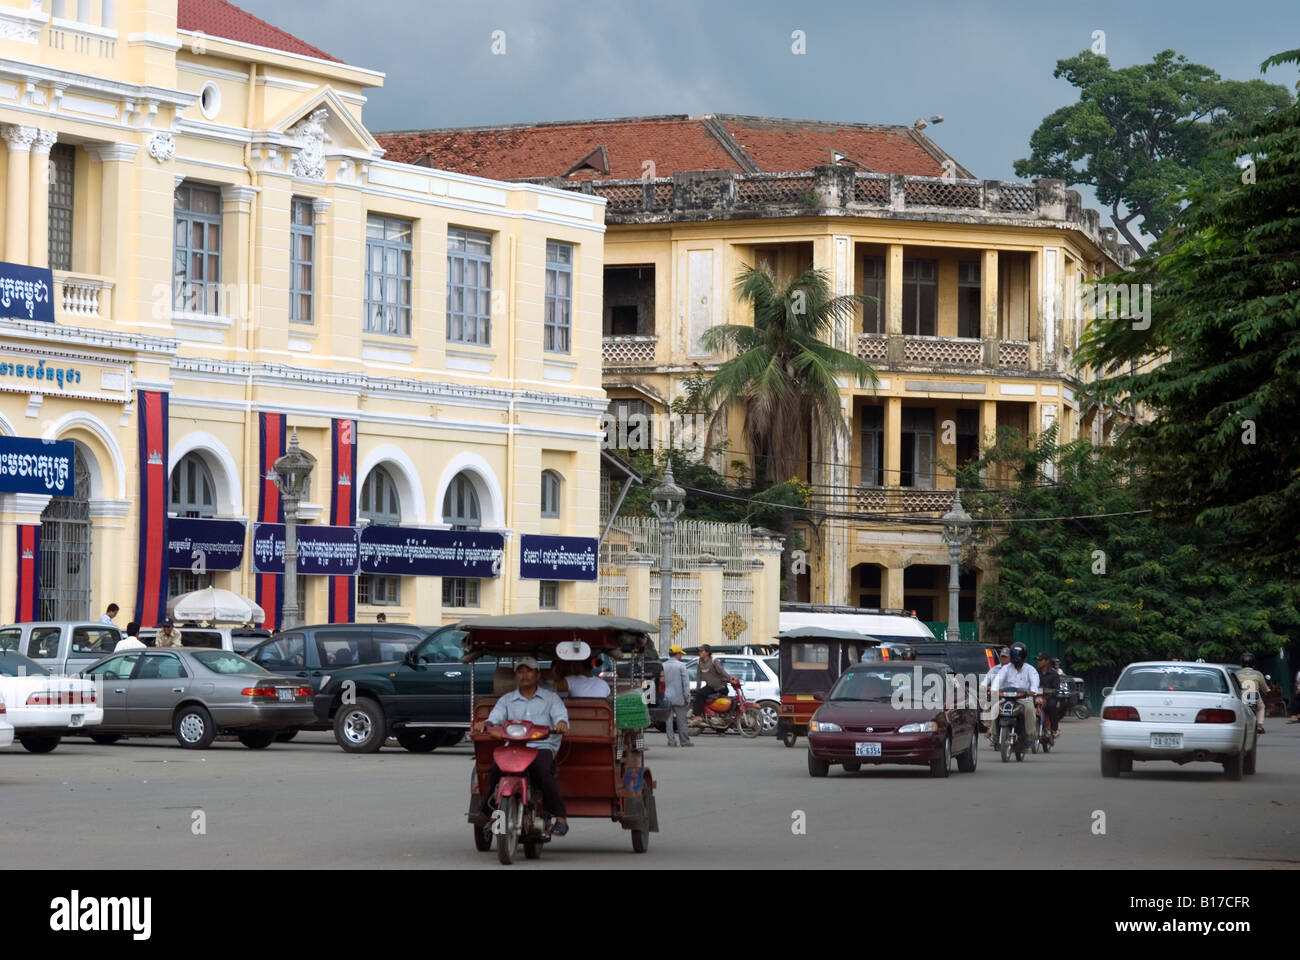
(15, 509)
(237, 284)
(988, 424)
(113, 524)
(891, 587)
(893, 440)
(638, 590)
(894, 301)
(711, 599)
(114, 221)
(767, 586)
(989, 304)
(18, 195)
(38, 234)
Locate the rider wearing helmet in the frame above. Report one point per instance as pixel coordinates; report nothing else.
(1019, 674)
(1251, 679)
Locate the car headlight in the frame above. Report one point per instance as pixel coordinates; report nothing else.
(928, 727)
(821, 726)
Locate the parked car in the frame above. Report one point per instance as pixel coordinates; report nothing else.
(311, 653)
(64, 647)
(6, 728)
(862, 720)
(759, 682)
(43, 708)
(238, 639)
(966, 659)
(195, 694)
(1184, 712)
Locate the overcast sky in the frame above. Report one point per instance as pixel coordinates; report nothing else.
(986, 67)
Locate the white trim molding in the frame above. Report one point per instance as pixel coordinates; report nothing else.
(222, 466)
(486, 485)
(101, 432)
(410, 488)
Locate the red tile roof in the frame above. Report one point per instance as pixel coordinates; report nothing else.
(217, 18)
(672, 143)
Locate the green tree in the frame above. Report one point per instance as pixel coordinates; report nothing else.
(1218, 370)
(1142, 132)
(1117, 588)
(784, 374)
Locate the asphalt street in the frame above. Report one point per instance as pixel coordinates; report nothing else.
(137, 804)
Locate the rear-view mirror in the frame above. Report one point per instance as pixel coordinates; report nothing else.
(1107, 691)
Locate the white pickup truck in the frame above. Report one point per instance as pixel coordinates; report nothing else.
(63, 647)
(42, 707)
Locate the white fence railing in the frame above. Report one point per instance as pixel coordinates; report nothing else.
(686, 628)
(692, 540)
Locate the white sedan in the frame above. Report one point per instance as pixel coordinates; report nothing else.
(6, 728)
(1184, 712)
(41, 707)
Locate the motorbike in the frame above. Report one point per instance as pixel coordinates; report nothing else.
(1010, 735)
(518, 819)
(1043, 735)
(723, 713)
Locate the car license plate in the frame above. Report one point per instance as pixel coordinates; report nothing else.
(76, 720)
(285, 693)
(1174, 740)
(866, 749)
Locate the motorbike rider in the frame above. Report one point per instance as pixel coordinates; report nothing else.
(543, 707)
(1019, 675)
(1049, 681)
(990, 693)
(1252, 679)
(710, 678)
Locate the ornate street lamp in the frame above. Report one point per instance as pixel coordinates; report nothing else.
(956, 531)
(291, 473)
(666, 502)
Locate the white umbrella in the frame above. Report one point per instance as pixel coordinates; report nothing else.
(215, 606)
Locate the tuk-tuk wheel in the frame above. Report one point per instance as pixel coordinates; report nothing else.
(532, 849)
(790, 738)
(482, 839)
(640, 841)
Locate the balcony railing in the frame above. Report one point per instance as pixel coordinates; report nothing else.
(875, 348)
(1013, 353)
(82, 296)
(943, 350)
(894, 500)
(628, 351)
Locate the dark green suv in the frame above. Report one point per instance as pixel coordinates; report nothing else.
(423, 699)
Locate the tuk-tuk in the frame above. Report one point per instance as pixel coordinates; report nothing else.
(812, 659)
(600, 765)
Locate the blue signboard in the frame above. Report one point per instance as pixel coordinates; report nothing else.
(26, 293)
(557, 558)
(200, 545)
(423, 552)
(36, 466)
(322, 551)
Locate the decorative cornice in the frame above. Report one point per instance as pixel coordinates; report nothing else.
(113, 152)
(62, 334)
(320, 206)
(107, 507)
(45, 139)
(22, 25)
(29, 503)
(18, 136)
(239, 193)
(157, 41)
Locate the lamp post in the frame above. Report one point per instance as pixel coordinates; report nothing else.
(666, 503)
(291, 473)
(956, 531)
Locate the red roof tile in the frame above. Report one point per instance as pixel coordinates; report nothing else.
(217, 18)
(672, 143)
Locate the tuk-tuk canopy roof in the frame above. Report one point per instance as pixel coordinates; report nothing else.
(522, 632)
(824, 633)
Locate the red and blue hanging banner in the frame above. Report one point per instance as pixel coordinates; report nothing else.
(343, 511)
(271, 446)
(29, 573)
(151, 571)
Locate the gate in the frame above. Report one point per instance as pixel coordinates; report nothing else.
(65, 550)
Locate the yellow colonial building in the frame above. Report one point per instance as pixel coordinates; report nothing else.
(972, 324)
(233, 261)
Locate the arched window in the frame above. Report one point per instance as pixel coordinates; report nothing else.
(193, 492)
(460, 508)
(379, 501)
(550, 493)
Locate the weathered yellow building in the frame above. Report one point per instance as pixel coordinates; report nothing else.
(973, 322)
(226, 235)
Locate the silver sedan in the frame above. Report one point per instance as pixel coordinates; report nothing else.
(196, 694)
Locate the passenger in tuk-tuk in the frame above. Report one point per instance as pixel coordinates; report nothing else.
(573, 679)
(543, 707)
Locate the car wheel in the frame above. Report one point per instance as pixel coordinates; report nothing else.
(1233, 767)
(420, 741)
(360, 727)
(941, 766)
(450, 738)
(1248, 765)
(1126, 763)
(35, 743)
(790, 738)
(771, 711)
(661, 727)
(966, 761)
(817, 768)
(1110, 763)
(852, 766)
(104, 739)
(194, 728)
(284, 736)
(257, 739)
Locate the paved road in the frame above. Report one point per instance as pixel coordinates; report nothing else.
(307, 804)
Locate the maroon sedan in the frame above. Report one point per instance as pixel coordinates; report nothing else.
(913, 711)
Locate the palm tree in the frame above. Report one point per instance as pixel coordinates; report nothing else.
(783, 371)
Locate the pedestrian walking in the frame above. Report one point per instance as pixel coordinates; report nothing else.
(168, 636)
(109, 614)
(677, 693)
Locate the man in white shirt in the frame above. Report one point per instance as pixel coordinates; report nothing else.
(578, 682)
(1020, 675)
(132, 639)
